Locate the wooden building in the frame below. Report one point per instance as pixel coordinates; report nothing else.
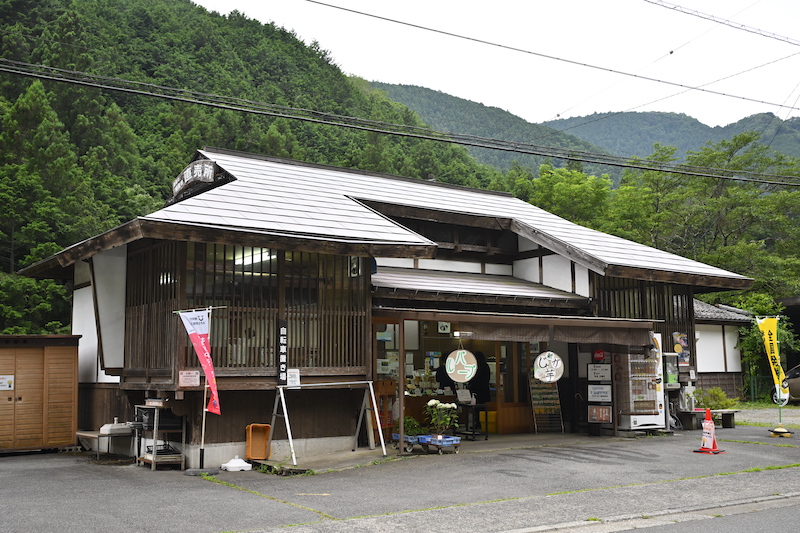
(719, 359)
(38, 391)
(373, 275)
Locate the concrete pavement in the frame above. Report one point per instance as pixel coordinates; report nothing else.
(508, 483)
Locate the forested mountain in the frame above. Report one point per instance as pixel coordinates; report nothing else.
(447, 113)
(77, 158)
(634, 133)
(629, 134)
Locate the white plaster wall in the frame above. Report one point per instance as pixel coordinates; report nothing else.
(526, 245)
(394, 262)
(499, 270)
(710, 350)
(83, 324)
(527, 269)
(557, 272)
(109, 272)
(450, 266)
(582, 280)
(734, 355)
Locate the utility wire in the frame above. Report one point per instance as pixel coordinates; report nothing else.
(250, 106)
(615, 113)
(538, 54)
(730, 23)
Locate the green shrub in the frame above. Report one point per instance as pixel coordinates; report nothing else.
(411, 427)
(713, 398)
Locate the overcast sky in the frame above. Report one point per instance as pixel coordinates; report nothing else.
(543, 59)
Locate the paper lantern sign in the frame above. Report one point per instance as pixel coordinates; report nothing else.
(461, 365)
(548, 367)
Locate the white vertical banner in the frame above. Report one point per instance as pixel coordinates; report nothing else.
(196, 324)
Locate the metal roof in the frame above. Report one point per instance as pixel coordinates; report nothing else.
(297, 198)
(285, 199)
(441, 282)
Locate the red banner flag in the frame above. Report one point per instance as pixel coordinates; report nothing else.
(196, 323)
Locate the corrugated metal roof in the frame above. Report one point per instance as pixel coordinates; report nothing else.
(295, 198)
(434, 281)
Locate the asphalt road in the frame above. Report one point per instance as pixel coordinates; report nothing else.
(599, 483)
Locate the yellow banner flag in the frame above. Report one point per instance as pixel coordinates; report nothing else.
(769, 330)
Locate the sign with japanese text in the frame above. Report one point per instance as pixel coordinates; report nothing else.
(196, 324)
(201, 171)
(7, 382)
(461, 365)
(189, 378)
(598, 372)
(283, 351)
(600, 414)
(599, 393)
(769, 330)
(548, 367)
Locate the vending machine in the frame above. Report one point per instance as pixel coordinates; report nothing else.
(639, 384)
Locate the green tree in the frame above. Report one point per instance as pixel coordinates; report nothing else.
(647, 203)
(571, 194)
(754, 356)
(29, 306)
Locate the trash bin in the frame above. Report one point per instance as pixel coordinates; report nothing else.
(257, 437)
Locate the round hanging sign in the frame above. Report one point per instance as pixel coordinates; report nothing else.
(599, 355)
(461, 365)
(548, 367)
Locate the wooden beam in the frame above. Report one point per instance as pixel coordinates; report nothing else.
(499, 318)
(559, 247)
(439, 216)
(681, 278)
(567, 303)
(124, 234)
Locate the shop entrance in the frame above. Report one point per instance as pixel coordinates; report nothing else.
(422, 350)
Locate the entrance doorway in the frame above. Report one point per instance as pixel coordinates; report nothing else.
(416, 350)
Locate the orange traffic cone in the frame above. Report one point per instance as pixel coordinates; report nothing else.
(709, 442)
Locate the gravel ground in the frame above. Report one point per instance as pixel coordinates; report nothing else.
(788, 416)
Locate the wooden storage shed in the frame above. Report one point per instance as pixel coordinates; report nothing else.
(38, 391)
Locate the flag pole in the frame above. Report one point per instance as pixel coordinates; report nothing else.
(203, 432)
(205, 398)
(206, 385)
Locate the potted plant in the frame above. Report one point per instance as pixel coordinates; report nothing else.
(411, 427)
(442, 416)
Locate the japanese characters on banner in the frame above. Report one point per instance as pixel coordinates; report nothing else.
(769, 330)
(283, 351)
(196, 324)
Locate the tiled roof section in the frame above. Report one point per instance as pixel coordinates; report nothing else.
(434, 281)
(708, 312)
(286, 199)
(300, 199)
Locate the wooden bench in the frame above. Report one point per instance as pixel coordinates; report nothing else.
(694, 419)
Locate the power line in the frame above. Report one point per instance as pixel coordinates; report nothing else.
(251, 106)
(615, 113)
(546, 56)
(730, 23)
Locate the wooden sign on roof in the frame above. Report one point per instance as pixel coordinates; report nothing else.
(197, 172)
